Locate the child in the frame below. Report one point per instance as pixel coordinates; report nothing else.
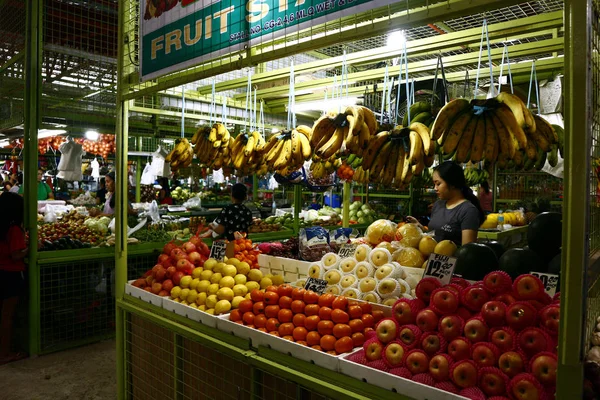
(12, 252)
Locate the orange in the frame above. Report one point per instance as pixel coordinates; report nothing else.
(245, 306)
(357, 325)
(285, 302)
(272, 324)
(358, 339)
(271, 297)
(235, 316)
(355, 311)
(325, 313)
(257, 295)
(258, 307)
(286, 329)
(297, 306)
(340, 302)
(328, 342)
(248, 318)
(338, 316)
(271, 311)
(311, 309)
(325, 300)
(285, 315)
(325, 327)
(313, 338)
(299, 319)
(368, 320)
(298, 294)
(260, 321)
(344, 345)
(311, 297)
(311, 323)
(341, 330)
(299, 333)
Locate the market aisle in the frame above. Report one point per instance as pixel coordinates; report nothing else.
(85, 373)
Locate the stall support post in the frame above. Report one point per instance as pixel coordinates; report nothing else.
(410, 201)
(346, 204)
(138, 172)
(254, 188)
(32, 118)
(575, 217)
(494, 187)
(297, 207)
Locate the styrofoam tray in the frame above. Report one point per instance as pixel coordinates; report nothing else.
(189, 312)
(143, 295)
(258, 338)
(387, 381)
(291, 269)
(416, 272)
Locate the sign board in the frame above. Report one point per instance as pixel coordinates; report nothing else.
(441, 267)
(347, 250)
(550, 282)
(180, 34)
(316, 285)
(218, 250)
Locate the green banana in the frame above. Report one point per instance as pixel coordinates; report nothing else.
(541, 160)
(553, 155)
(560, 132)
(416, 109)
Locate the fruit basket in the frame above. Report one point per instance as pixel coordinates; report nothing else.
(143, 295)
(292, 270)
(192, 313)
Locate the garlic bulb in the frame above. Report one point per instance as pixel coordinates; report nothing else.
(596, 339)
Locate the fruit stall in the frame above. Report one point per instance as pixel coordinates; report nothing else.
(332, 294)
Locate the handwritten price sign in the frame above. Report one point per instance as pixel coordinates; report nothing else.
(441, 267)
(347, 250)
(550, 282)
(316, 285)
(218, 250)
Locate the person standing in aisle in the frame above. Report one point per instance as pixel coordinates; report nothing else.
(457, 215)
(234, 219)
(12, 281)
(16, 180)
(44, 191)
(485, 197)
(101, 193)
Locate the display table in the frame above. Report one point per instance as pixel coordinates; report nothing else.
(513, 237)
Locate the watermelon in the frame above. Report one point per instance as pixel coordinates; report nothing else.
(516, 262)
(554, 264)
(544, 235)
(474, 261)
(497, 247)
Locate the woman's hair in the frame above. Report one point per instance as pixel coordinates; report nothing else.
(453, 175)
(239, 191)
(485, 186)
(13, 206)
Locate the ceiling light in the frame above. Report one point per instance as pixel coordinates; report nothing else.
(92, 135)
(44, 133)
(274, 130)
(396, 39)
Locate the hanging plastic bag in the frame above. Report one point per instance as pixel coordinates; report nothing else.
(340, 236)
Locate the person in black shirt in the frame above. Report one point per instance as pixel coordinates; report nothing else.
(234, 219)
(101, 193)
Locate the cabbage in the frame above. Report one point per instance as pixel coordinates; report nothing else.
(104, 221)
(311, 215)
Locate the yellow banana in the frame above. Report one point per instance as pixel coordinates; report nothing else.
(491, 139)
(305, 144)
(532, 151)
(546, 129)
(356, 120)
(370, 119)
(519, 109)
(375, 143)
(508, 119)
(333, 144)
(399, 165)
(464, 146)
(305, 130)
(452, 136)
(446, 116)
(363, 137)
(221, 130)
(478, 144)
(416, 148)
(380, 161)
(285, 156)
(424, 133)
(507, 145)
(323, 126)
(249, 148)
(212, 136)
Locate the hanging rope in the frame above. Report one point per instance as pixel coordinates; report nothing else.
(484, 33)
(254, 123)
(505, 52)
(213, 111)
(183, 111)
(262, 120)
(291, 115)
(533, 78)
(383, 95)
(438, 67)
(412, 91)
(249, 99)
(224, 113)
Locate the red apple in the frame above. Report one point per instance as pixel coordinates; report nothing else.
(464, 313)
(543, 366)
(189, 247)
(520, 315)
(156, 287)
(485, 354)
(170, 271)
(405, 311)
(169, 247)
(454, 288)
(409, 335)
(460, 282)
(176, 252)
(432, 343)
(503, 338)
(511, 363)
(393, 354)
(176, 277)
(387, 330)
(526, 387)
(492, 381)
(528, 287)
(163, 293)
(464, 373)
(493, 313)
(182, 255)
(474, 297)
(439, 367)
(533, 340)
(476, 330)
(451, 326)
(550, 317)
(444, 301)
(373, 349)
(164, 260)
(506, 298)
(497, 282)
(167, 285)
(184, 266)
(425, 288)
(459, 349)
(417, 361)
(427, 320)
(196, 240)
(196, 258)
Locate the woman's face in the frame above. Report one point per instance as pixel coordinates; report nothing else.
(110, 184)
(441, 187)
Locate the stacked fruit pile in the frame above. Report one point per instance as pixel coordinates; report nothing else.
(104, 146)
(500, 130)
(328, 323)
(173, 264)
(68, 235)
(218, 287)
(245, 251)
(492, 338)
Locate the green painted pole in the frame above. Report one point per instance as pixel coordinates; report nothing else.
(297, 207)
(33, 85)
(494, 187)
(574, 290)
(254, 188)
(138, 172)
(347, 198)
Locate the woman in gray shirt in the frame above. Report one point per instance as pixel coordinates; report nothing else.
(458, 214)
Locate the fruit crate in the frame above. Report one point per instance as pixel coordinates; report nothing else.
(391, 382)
(189, 312)
(143, 295)
(292, 270)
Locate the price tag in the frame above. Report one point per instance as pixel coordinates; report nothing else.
(441, 267)
(218, 250)
(550, 281)
(347, 250)
(316, 285)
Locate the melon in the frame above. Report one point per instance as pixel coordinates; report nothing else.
(554, 264)
(516, 262)
(474, 261)
(544, 235)
(497, 247)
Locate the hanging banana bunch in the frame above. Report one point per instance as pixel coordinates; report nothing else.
(246, 153)
(286, 151)
(343, 133)
(181, 156)
(212, 146)
(499, 130)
